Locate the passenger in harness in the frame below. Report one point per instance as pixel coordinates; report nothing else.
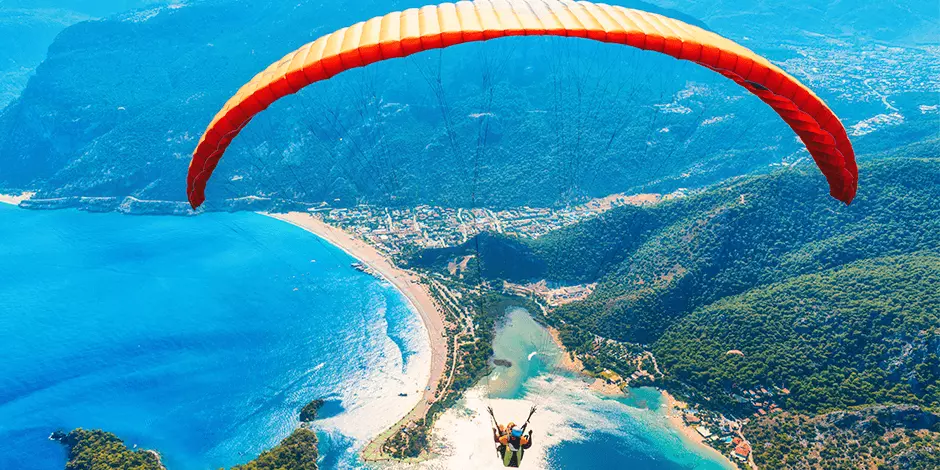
(511, 440)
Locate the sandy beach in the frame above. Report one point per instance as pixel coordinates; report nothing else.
(673, 407)
(407, 283)
(604, 388)
(14, 199)
(463, 435)
(568, 362)
(673, 413)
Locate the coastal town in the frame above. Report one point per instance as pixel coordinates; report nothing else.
(394, 231)
(724, 433)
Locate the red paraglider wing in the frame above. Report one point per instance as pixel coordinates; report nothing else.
(403, 33)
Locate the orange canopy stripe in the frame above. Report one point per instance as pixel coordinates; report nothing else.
(400, 34)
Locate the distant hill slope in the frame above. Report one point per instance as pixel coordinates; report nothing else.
(28, 27)
(24, 37)
(117, 108)
(118, 105)
(911, 21)
(740, 235)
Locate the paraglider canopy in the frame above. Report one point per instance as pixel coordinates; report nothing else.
(400, 34)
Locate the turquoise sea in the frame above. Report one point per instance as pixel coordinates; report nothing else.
(202, 337)
(199, 337)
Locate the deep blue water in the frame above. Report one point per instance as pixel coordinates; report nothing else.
(199, 337)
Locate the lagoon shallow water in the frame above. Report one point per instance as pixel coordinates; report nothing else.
(574, 426)
(199, 337)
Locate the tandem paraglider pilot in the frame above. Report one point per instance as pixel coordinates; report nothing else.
(511, 440)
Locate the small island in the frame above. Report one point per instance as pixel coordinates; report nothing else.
(502, 362)
(97, 449)
(100, 450)
(309, 411)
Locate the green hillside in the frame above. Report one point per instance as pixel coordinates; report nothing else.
(758, 231)
(576, 254)
(656, 264)
(862, 334)
(766, 283)
(882, 437)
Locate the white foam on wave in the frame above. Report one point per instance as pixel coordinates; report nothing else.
(532, 354)
(371, 399)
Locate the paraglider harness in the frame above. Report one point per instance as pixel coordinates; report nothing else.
(513, 448)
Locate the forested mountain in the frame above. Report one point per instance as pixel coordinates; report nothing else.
(118, 105)
(758, 231)
(861, 334)
(882, 437)
(656, 264)
(27, 28)
(764, 283)
(889, 20)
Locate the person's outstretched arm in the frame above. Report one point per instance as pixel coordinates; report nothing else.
(529, 441)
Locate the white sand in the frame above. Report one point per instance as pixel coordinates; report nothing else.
(15, 199)
(566, 408)
(373, 405)
(464, 437)
(380, 407)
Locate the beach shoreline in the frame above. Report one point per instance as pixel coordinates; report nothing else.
(673, 411)
(15, 199)
(409, 285)
(569, 362)
(674, 417)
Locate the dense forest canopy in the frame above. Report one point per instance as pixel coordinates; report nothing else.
(99, 450)
(743, 234)
(861, 334)
(883, 437)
